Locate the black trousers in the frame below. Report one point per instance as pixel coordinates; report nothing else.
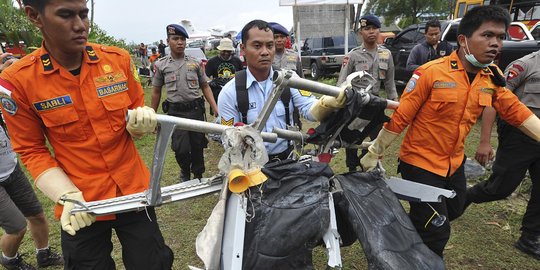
(143, 246)
(516, 154)
(189, 146)
(421, 213)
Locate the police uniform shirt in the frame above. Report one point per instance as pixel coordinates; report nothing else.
(258, 93)
(181, 77)
(523, 78)
(377, 63)
(288, 60)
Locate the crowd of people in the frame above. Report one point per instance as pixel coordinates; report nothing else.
(86, 90)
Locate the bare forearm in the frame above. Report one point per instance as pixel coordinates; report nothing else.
(207, 92)
(156, 97)
(488, 118)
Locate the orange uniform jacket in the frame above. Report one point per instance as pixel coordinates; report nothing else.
(440, 105)
(83, 119)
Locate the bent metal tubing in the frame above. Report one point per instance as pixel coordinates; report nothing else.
(155, 195)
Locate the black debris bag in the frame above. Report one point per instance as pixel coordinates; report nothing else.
(373, 111)
(291, 215)
(368, 210)
(144, 71)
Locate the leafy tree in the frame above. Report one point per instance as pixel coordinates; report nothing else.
(407, 11)
(100, 36)
(15, 26)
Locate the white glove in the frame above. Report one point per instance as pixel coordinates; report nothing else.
(326, 104)
(531, 127)
(334, 102)
(376, 150)
(57, 186)
(71, 223)
(141, 122)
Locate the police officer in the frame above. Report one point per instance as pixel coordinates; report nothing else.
(258, 48)
(285, 58)
(375, 60)
(183, 78)
(516, 154)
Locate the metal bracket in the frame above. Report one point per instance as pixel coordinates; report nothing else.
(331, 238)
(139, 201)
(270, 103)
(416, 192)
(155, 195)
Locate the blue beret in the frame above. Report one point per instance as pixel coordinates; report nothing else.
(278, 28)
(370, 20)
(175, 29)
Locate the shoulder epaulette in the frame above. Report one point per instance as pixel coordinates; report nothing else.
(290, 51)
(23, 63)
(493, 68)
(109, 49)
(433, 62)
(531, 55)
(162, 59)
(191, 58)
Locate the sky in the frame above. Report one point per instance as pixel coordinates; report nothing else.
(145, 21)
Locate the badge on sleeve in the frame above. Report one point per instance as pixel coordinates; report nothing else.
(345, 60)
(135, 73)
(7, 102)
(514, 71)
(304, 93)
(227, 122)
(412, 82)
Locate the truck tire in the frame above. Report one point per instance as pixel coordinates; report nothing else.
(315, 71)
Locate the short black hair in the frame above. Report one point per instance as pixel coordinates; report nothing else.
(432, 23)
(39, 5)
(475, 17)
(262, 25)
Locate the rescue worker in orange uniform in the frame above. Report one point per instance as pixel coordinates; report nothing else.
(75, 95)
(441, 102)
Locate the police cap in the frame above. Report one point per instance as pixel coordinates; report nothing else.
(370, 20)
(278, 28)
(175, 29)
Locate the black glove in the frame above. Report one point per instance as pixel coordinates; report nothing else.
(497, 78)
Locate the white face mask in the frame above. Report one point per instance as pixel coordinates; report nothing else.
(470, 57)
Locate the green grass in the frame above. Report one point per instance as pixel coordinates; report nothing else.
(481, 239)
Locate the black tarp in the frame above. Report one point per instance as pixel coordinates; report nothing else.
(369, 211)
(290, 214)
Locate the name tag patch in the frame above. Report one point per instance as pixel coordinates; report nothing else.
(490, 91)
(112, 89)
(53, 103)
(439, 84)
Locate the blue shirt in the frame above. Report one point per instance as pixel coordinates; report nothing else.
(258, 93)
